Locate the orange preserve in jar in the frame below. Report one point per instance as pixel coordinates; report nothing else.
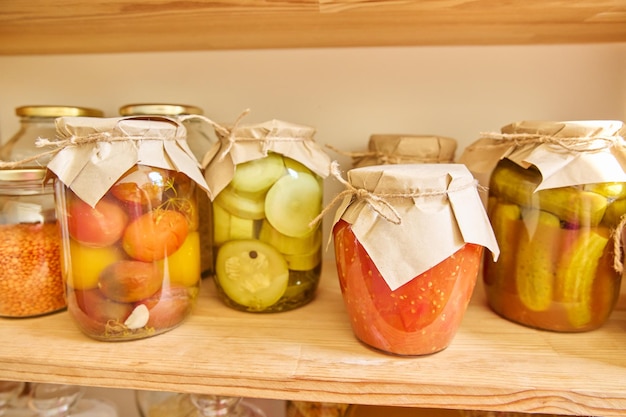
(556, 202)
(408, 243)
(126, 202)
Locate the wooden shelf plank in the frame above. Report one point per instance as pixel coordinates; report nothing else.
(78, 26)
(311, 354)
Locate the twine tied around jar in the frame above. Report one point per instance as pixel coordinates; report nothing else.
(379, 201)
(386, 158)
(571, 144)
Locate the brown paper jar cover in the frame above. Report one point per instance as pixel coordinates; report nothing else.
(404, 149)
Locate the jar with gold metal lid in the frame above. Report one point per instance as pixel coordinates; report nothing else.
(199, 141)
(38, 121)
(30, 268)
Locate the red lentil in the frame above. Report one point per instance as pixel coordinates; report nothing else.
(30, 270)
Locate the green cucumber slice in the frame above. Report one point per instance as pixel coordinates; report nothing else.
(288, 245)
(308, 260)
(258, 175)
(244, 205)
(228, 227)
(251, 273)
(292, 203)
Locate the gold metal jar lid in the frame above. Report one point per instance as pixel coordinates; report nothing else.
(356, 410)
(22, 174)
(161, 109)
(53, 111)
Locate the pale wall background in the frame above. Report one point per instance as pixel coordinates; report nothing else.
(347, 94)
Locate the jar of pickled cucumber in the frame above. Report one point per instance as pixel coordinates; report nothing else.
(557, 197)
(266, 187)
(408, 242)
(199, 142)
(38, 121)
(386, 149)
(129, 224)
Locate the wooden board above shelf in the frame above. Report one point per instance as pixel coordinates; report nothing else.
(79, 26)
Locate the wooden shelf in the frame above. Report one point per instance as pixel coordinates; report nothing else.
(44, 27)
(311, 354)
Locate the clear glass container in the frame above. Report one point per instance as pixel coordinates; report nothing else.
(131, 263)
(37, 121)
(406, 271)
(168, 404)
(31, 283)
(199, 142)
(128, 216)
(266, 184)
(555, 271)
(61, 400)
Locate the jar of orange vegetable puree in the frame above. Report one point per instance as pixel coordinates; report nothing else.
(126, 206)
(557, 202)
(266, 187)
(408, 244)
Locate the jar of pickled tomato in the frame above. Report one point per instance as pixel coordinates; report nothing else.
(408, 243)
(556, 202)
(266, 187)
(384, 149)
(199, 142)
(126, 205)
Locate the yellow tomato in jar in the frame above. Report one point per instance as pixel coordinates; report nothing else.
(184, 264)
(87, 263)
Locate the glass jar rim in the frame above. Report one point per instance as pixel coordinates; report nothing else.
(161, 109)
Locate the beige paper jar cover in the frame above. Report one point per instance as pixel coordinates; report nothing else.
(411, 217)
(386, 149)
(249, 142)
(93, 153)
(566, 153)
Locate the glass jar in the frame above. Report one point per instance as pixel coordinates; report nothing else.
(130, 241)
(62, 400)
(169, 404)
(408, 245)
(38, 122)
(314, 409)
(384, 149)
(199, 142)
(556, 230)
(30, 270)
(266, 184)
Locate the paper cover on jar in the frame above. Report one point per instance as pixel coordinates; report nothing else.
(246, 143)
(566, 153)
(411, 217)
(95, 152)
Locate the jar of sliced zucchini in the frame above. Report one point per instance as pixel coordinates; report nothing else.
(266, 188)
(557, 195)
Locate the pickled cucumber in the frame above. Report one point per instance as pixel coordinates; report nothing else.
(610, 190)
(536, 259)
(576, 273)
(251, 273)
(288, 245)
(258, 175)
(244, 205)
(505, 222)
(229, 227)
(292, 203)
(571, 205)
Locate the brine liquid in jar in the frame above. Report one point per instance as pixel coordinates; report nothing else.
(131, 263)
(267, 256)
(555, 270)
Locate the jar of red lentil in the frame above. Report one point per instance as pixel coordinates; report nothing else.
(557, 199)
(199, 142)
(129, 224)
(408, 242)
(37, 121)
(384, 149)
(266, 185)
(30, 269)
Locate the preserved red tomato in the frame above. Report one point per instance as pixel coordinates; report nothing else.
(422, 316)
